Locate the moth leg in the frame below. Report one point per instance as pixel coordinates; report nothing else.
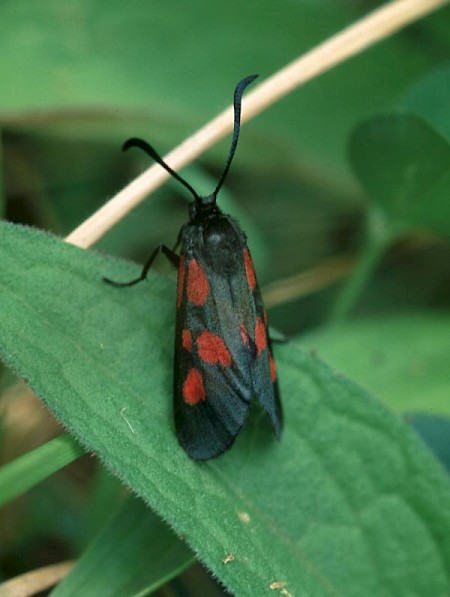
(277, 337)
(171, 256)
(279, 340)
(177, 244)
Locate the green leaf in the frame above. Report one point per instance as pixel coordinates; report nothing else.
(435, 431)
(2, 186)
(429, 99)
(105, 494)
(404, 165)
(401, 359)
(134, 554)
(23, 473)
(348, 502)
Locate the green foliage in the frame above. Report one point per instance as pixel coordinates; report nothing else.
(336, 506)
(425, 99)
(121, 63)
(2, 198)
(405, 166)
(435, 431)
(403, 359)
(24, 472)
(134, 555)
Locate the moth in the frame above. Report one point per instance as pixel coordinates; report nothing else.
(223, 356)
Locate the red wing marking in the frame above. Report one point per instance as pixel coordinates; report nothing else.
(187, 340)
(180, 280)
(244, 334)
(193, 390)
(273, 371)
(212, 350)
(197, 283)
(260, 335)
(250, 272)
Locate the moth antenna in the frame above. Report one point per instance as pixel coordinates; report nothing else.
(238, 92)
(149, 150)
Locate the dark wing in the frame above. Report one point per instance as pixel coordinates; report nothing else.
(222, 353)
(212, 375)
(264, 375)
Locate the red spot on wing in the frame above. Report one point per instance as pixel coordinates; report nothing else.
(197, 283)
(187, 340)
(250, 272)
(244, 334)
(273, 370)
(193, 390)
(212, 350)
(260, 335)
(180, 280)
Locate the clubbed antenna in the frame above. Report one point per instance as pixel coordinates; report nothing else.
(238, 92)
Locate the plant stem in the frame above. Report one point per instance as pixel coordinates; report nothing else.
(377, 25)
(379, 237)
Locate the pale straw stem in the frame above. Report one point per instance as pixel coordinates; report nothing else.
(369, 30)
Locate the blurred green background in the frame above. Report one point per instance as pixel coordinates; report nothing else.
(346, 180)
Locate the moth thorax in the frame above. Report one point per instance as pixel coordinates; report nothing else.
(223, 243)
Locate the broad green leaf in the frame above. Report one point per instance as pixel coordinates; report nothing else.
(429, 98)
(404, 165)
(401, 359)
(133, 555)
(349, 501)
(23, 473)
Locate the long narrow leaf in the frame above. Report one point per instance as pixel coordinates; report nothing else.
(135, 554)
(23, 473)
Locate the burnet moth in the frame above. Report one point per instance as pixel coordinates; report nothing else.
(223, 356)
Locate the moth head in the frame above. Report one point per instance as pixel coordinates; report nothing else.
(203, 207)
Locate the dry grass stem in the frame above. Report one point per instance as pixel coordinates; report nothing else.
(369, 30)
(36, 581)
(300, 285)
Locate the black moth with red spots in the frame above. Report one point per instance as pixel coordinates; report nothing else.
(223, 357)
